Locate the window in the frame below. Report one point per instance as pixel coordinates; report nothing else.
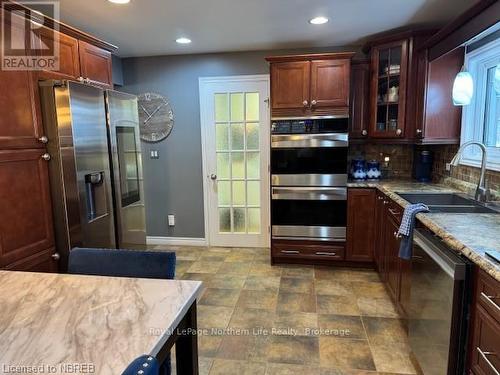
(481, 119)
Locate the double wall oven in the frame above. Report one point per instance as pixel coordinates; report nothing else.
(309, 179)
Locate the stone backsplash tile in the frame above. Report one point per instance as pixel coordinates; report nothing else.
(470, 175)
(400, 158)
(400, 164)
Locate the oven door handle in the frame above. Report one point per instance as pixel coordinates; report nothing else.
(309, 193)
(310, 140)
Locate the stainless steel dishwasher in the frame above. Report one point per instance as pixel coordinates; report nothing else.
(439, 306)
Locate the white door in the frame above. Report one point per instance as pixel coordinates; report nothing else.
(235, 137)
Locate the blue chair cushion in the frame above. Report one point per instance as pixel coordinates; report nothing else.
(122, 263)
(148, 365)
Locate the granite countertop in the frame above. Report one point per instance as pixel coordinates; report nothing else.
(468, 234)
(51, 320)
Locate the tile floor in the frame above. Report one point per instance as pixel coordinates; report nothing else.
(291, 319)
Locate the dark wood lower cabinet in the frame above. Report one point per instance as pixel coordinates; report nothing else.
(314, 252)
(360, 224)
(392, 263)
(484, 345)
(26, 228)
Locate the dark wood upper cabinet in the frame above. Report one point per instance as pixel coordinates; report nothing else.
(360, 224)
(95, 64)
(330, 83)
(290, 83)
(68, 58)
(26, 227)
(310, 85)
(438, 120)
(360, 99)
(389, 66)
(20, 124)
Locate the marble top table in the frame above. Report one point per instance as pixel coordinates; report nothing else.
(54, 322)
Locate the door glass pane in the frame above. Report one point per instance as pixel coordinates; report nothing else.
(253, 193)
(238, 160)
(252, 106)
(239, 220)
(237, 137)
(224, 193)
(222, 135)
(223, 165)
(252, 136)
(239, 193)
(253, 165)
(238, 165)
(254, 220)
(237, 107)
(221, 107)
(383, 62)
(224, 219)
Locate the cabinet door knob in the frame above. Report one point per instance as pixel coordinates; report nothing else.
(213, 176)
(364, 132)
(46, 156)
(399, 132)
(305, 103)
(314, 102)
(419, 131)
(80, 79)
(56, 256)
(43, 139)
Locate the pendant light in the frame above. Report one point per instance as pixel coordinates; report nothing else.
(463, 88)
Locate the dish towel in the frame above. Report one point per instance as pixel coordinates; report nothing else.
(406, 229)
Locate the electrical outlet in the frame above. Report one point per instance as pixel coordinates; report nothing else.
(448, 167)
(154, 154)
(171, 220)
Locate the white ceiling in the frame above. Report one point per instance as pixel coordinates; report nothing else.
(150, 27)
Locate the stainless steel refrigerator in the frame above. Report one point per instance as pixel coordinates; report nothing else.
(95, 167)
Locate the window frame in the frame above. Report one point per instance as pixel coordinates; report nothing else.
(478, 62)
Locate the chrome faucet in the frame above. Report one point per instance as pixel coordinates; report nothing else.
(482, 192)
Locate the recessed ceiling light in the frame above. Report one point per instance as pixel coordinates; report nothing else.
(119, 1)
(318, 20)
(183, 40)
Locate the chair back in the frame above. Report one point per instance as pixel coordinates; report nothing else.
(122, 263)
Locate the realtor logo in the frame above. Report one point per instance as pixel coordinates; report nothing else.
(30, 37)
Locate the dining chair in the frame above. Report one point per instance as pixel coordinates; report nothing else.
(124, 263)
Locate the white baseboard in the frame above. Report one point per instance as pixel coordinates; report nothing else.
(176, 241)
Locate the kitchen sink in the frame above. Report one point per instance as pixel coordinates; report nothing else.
(448, 202)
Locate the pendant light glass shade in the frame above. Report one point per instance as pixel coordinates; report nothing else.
(463, 88)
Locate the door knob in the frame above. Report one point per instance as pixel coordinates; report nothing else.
(213, 176)
(399, 132)
(43, 139)
(56, 256)
(305, 103)
(364, 132)
(46, 156)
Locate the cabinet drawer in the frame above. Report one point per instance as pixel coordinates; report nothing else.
(485, 344)
(395, 211)
(308, 249)
(488, 295)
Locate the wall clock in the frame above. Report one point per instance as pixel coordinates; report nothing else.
(156, 118)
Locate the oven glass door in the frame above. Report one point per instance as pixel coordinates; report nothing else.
(309, 161)
(309, 212)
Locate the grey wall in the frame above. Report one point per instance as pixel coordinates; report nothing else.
(117, 71)
(174, 182)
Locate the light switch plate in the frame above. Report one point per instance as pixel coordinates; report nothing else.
(448, 167)
(171, 220)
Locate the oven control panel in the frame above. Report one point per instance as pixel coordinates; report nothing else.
(337, 125)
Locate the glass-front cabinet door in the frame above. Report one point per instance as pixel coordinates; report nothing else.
(388, 91)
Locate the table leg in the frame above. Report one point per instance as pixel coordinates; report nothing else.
(186, 346)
